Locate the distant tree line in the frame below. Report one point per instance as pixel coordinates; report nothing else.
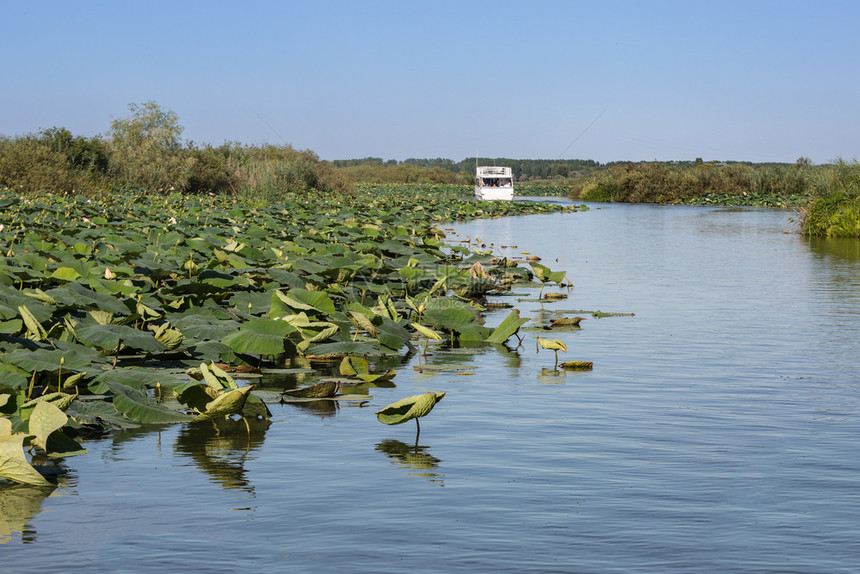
(523, 169)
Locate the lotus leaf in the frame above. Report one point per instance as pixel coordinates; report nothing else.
(140, 408)
(11, 380)
(260, 336)
(553, 345)
(510, 326)
(45, 419)
(61, 400)
(359, 368)
(577, 365)
(100, 413)
(566, 322)
(113, 338)
(170, 338)
(65, 274)
(228, 403)
(324, 389)
(13, 463)
(409, 408)
(545, 275)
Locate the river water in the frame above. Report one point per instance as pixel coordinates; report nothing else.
(717, 432)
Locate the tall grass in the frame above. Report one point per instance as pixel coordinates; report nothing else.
(836, 210)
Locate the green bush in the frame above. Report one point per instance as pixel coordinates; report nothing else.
(836, 212)
(28, 164)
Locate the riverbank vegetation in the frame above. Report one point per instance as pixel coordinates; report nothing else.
(703, 183)
(145, 152)
(835, 211)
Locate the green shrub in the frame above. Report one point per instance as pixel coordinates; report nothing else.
(27, 164)
(836, 212)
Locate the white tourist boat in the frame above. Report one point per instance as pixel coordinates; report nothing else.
(492, 183)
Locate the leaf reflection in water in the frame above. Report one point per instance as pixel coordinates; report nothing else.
(414, 457)
(19, 504)
(322, 408)
(220, 448)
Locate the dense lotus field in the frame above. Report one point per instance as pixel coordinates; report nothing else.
(98, 297)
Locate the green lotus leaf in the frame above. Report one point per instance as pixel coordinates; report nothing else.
(510, 326)
(348, 348)
(140, 408)
(61, 400)
(71, 382)
(45, 419)
(170, 338)
(426, 331)
(65, 274)
(545, 275)
(11, 327)
(13, 463)
(41, 296)
(260, 336)
(12, 380)
(76, 295)
(409, 408)
(286, 278)
(43, 360)
(138, 378)
(353, 366)
(216, 377)
(304, 300)
(362, 322)
(35, 331)
(203, 327)
(99, 412)
(108, 338)
(102, 317)
(228, 403)
(392, 334)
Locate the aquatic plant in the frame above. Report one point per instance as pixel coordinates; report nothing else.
(554, 345)
(408, 409)
(545, 275)
(97, 294)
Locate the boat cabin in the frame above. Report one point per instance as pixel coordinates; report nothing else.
(493, 183)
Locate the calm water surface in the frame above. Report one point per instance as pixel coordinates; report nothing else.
(718, 431)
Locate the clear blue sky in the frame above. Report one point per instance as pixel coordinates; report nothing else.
(542, 79)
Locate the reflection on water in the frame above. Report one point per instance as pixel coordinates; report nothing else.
(221, 448)
(322, 407)
(19, 503)
(414, 457)
(843, 248)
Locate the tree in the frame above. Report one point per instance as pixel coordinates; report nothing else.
(146, 149)
(147, 128)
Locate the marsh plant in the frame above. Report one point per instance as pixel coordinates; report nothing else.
(97, 293)
(836, 210)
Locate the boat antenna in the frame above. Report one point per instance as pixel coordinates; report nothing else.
(273, 129)
(581, 134)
